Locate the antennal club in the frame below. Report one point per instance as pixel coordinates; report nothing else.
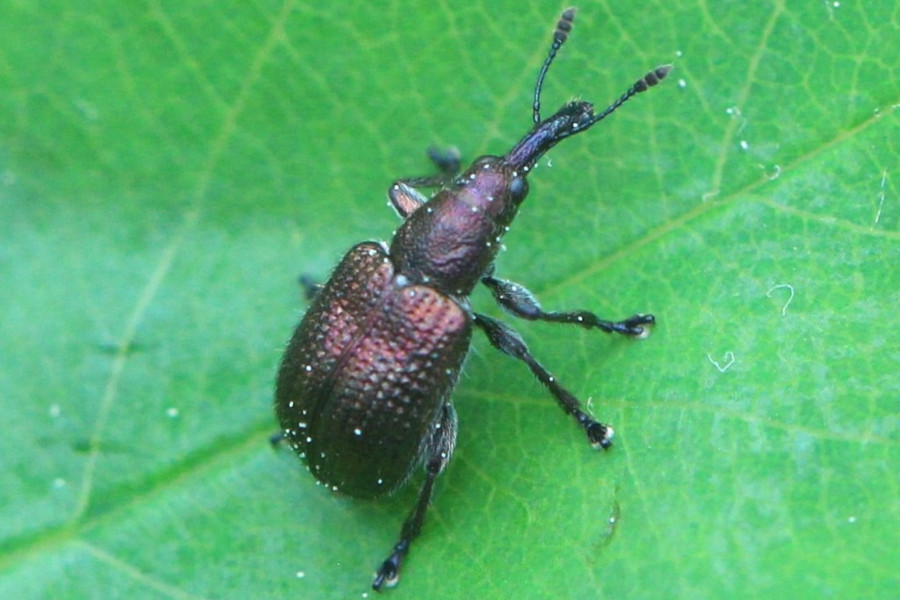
(575, 116)
(641, 85)
(560, 35)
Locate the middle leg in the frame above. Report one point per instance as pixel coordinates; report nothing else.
(521, 303)
(505, 339)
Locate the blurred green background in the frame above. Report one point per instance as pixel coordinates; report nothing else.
(168, 170)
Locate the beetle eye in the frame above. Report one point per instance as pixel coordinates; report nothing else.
(518, 188)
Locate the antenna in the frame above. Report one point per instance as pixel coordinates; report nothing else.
(560, 35)
(641, 85)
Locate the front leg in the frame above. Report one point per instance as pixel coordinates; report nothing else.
(521, 303)
(404, 196)
(405, 199)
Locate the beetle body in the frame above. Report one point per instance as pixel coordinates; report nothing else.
(367, 373)
(363, 391)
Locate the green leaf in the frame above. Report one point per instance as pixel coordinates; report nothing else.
(168, 170)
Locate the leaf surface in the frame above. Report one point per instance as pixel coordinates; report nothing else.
(167, 171)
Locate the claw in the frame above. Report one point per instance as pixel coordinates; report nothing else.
(600, 435)
(635, 325)
(389, 572)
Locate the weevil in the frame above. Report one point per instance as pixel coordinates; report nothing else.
(363, 390)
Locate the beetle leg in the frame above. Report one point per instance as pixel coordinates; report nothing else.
(309, 286)
(508, 341)
(404, 196)
(446, 160)
(438, 451)
(523, 304)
